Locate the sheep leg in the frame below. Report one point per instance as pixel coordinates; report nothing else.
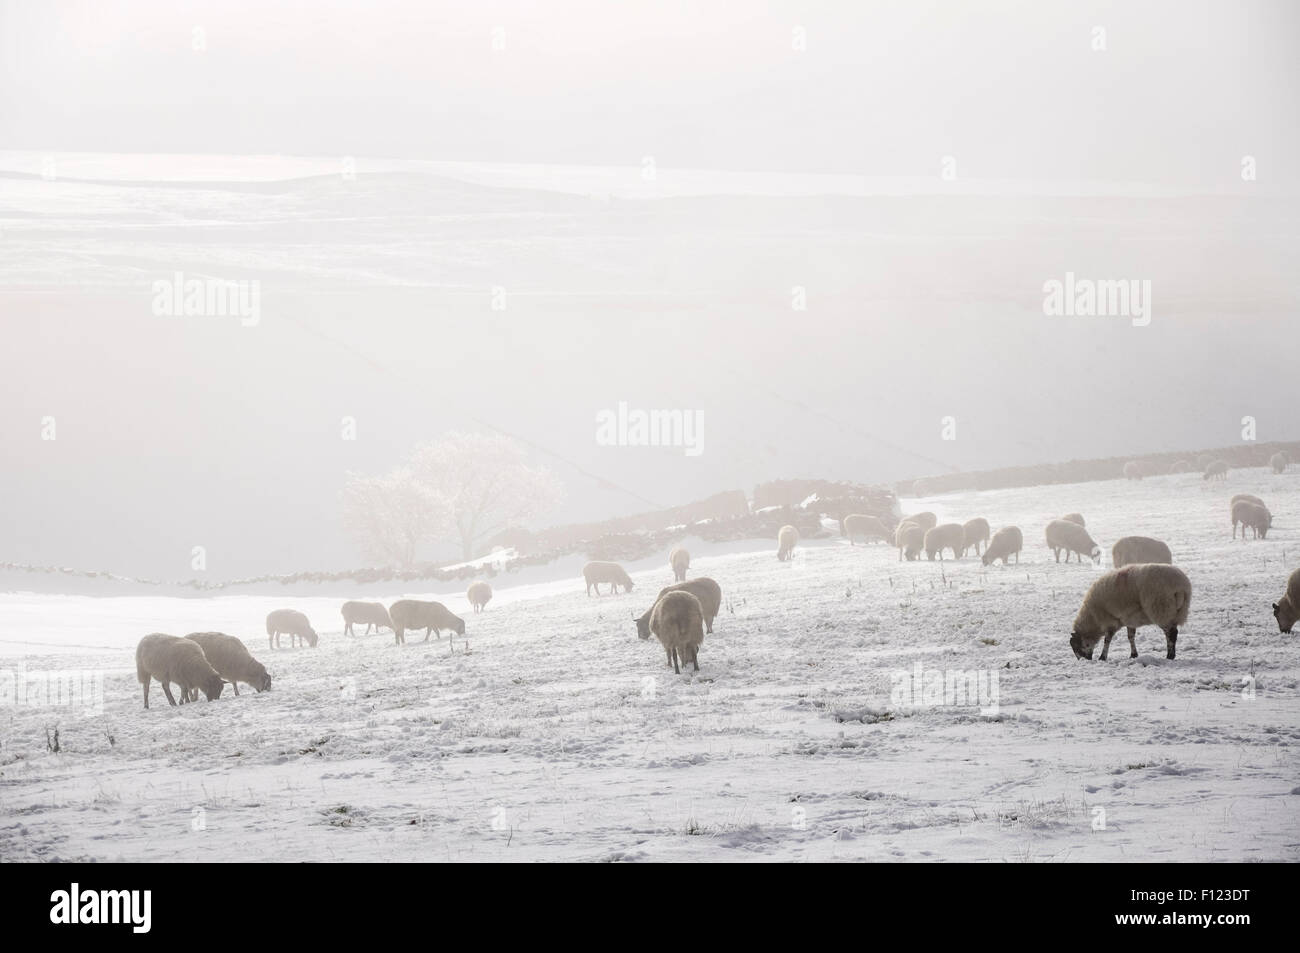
(1105, 649)
(146, 693)
(235, 686)
(1171, 641)
(428, 632)
(676, 669)
(1132, 642)
(167, 690)
(695, 657)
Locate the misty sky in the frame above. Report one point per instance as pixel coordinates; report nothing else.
(376, 292)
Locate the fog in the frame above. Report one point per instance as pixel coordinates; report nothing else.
(826, 229)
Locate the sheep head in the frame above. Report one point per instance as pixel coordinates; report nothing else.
(311, 637)
(1285, 614)
(1083, 645)
(643, 626)
(212, 686)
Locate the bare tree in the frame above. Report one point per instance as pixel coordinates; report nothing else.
(390, 516)
(488, 482)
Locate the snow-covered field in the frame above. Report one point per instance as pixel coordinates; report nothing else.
(557, 735)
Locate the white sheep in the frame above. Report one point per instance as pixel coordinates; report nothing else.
(1076, 518)
(861, 525)
(1142, 594)
(479, 594)
(416, 614)
(1217, 470)
(292, 623)
(786, 540)
(232, 660)
(597, 572)
(947, 536)
(1132, 471)
(1287, 609)
(1253, 515)
(170, 659)
(677, 621)
(1244, 496)
(701, 587)
(680, 560)
(1005, 541)
(973, 533)
(1069, 537)
(367, 614)
(927, 520)
(909, 537)
(1139, 549)
(1279, 462)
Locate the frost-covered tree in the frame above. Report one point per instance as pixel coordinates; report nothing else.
(488, 482)
(390, 516)
(463, 487)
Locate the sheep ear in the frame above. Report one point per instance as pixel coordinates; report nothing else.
(1275, 607)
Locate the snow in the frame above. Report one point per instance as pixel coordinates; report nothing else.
(557, 735)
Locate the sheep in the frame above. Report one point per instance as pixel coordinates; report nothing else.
(1005, 541)
(909, 538)
(171, 659)
(1287, 609)
(370, 613)
(680, 560)
(292, 623)
(1137, 595)
(974, 532)
(1279, 462)
(597, 572)
(232, 660)
(1244, 496)
(430, 616)
(702, 587)
(677, 620)
(1132, 471)
(947, 536)
(1218, 470)
(1076, 518)
(1072, 538)
(1254, 515)
(786, 541)
(867, 527)
(479, 594)
(927, 520)
(1139, 549)
(1180, 466)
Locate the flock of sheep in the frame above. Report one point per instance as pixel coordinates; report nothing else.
(1143, 588)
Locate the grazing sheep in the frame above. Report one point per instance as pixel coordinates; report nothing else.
(1005, 541)
(1279, 462)
(1287, 610)
(170, 659)
(974, 532)
(369, 613)
(1139, 549)
(927, 520)
(1076, 518)
(232, 660)
(430, 616)
(1180, 466)
(1253, 515)
(680, 560)
(1132, 471)
(291, 622)
(1072, 538)
(910, 540)
(703, 588)
(479, 595)
(1244, 496)
(786, 540)
(677, 620)
(947, 536)
(1218, 470)
(597, 572)
(1142, 594)
(867, 527)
